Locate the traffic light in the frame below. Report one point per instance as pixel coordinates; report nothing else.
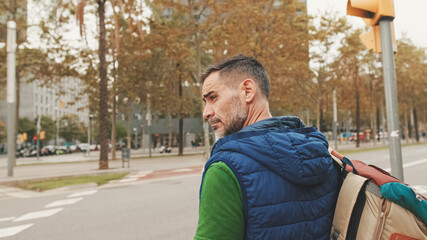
(371, 10)
(372, 39)
(35, 138)
(374, 13)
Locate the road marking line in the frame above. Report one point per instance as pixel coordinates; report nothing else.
(63, 202)
(182, 170)
(10, 231)
(84, 193)
(410, 164)
(420, 189)
(6, 219)
(127, 180)
(415, 163)
(38, 214)
(137, 175)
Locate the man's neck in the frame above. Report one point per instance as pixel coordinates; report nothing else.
(256, 114)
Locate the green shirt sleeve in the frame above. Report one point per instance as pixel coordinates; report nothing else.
(221, 208)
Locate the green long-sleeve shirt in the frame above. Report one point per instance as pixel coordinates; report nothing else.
(221, 209)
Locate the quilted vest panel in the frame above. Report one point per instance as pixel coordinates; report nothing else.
(274, 206)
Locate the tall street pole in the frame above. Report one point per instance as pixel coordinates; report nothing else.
(38, 137)
(334, 124)
(391, 97)
(11, 95)
(149, 123)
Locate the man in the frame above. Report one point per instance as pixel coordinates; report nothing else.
(268, 177)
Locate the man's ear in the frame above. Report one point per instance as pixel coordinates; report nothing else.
(249, 90)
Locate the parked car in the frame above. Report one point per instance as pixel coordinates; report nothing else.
(83, 147)
(72, 148)
(94, 147)
(353, 137)
(165, 149)
(48, 150)
(61, 150)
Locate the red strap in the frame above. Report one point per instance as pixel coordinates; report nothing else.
(398, 236)
(337, 154)
(377, 176)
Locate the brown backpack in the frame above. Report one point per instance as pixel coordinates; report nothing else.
(362, 212)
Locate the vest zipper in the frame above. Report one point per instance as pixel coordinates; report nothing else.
(381, 219)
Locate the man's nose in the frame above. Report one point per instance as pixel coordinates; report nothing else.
(208, 112)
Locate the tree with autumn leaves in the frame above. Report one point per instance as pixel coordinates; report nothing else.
(164, 54)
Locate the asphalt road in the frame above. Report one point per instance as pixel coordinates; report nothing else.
(162, 207)
(414, 161)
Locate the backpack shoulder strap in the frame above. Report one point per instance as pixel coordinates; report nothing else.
(342, 161)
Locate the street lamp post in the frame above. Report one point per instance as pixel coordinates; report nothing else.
(11, 95)
(136, 137)
(334, 123)
(88, 135)
(38, 137)
(142, 137)
(149, 123)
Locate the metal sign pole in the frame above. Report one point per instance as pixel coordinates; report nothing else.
(391, 98)
(11, 95)
(149, 123)
(38, 137)
(334, 124)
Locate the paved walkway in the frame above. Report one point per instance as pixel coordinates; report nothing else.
(79, 164)
(82, 164)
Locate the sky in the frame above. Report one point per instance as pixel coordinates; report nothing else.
(408, 17)
(408, 21)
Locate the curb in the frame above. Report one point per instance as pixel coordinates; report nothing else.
(92, 173)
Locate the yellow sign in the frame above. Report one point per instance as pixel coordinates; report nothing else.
(371, 10)
(23, 137)
(42, 135)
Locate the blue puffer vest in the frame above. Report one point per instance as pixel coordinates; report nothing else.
(288, 180)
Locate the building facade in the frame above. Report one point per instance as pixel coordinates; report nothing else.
(55, 101)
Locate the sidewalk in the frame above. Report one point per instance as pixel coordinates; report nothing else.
(78, 164)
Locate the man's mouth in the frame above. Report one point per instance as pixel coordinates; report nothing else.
(213, 123)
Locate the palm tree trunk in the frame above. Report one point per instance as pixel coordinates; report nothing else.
(103, 93)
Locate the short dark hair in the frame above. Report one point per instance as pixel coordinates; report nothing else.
(238, 67)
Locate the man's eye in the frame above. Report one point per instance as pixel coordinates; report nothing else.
(212, 97)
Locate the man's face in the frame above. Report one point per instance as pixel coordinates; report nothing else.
(224, 110)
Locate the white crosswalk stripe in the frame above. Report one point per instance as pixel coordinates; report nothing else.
(11, 231)
(38, 214)
(6, 219)
(422, 161)
(182, 170)
(420, 189)
(124, 180)
(63, 202)
(84, 193)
